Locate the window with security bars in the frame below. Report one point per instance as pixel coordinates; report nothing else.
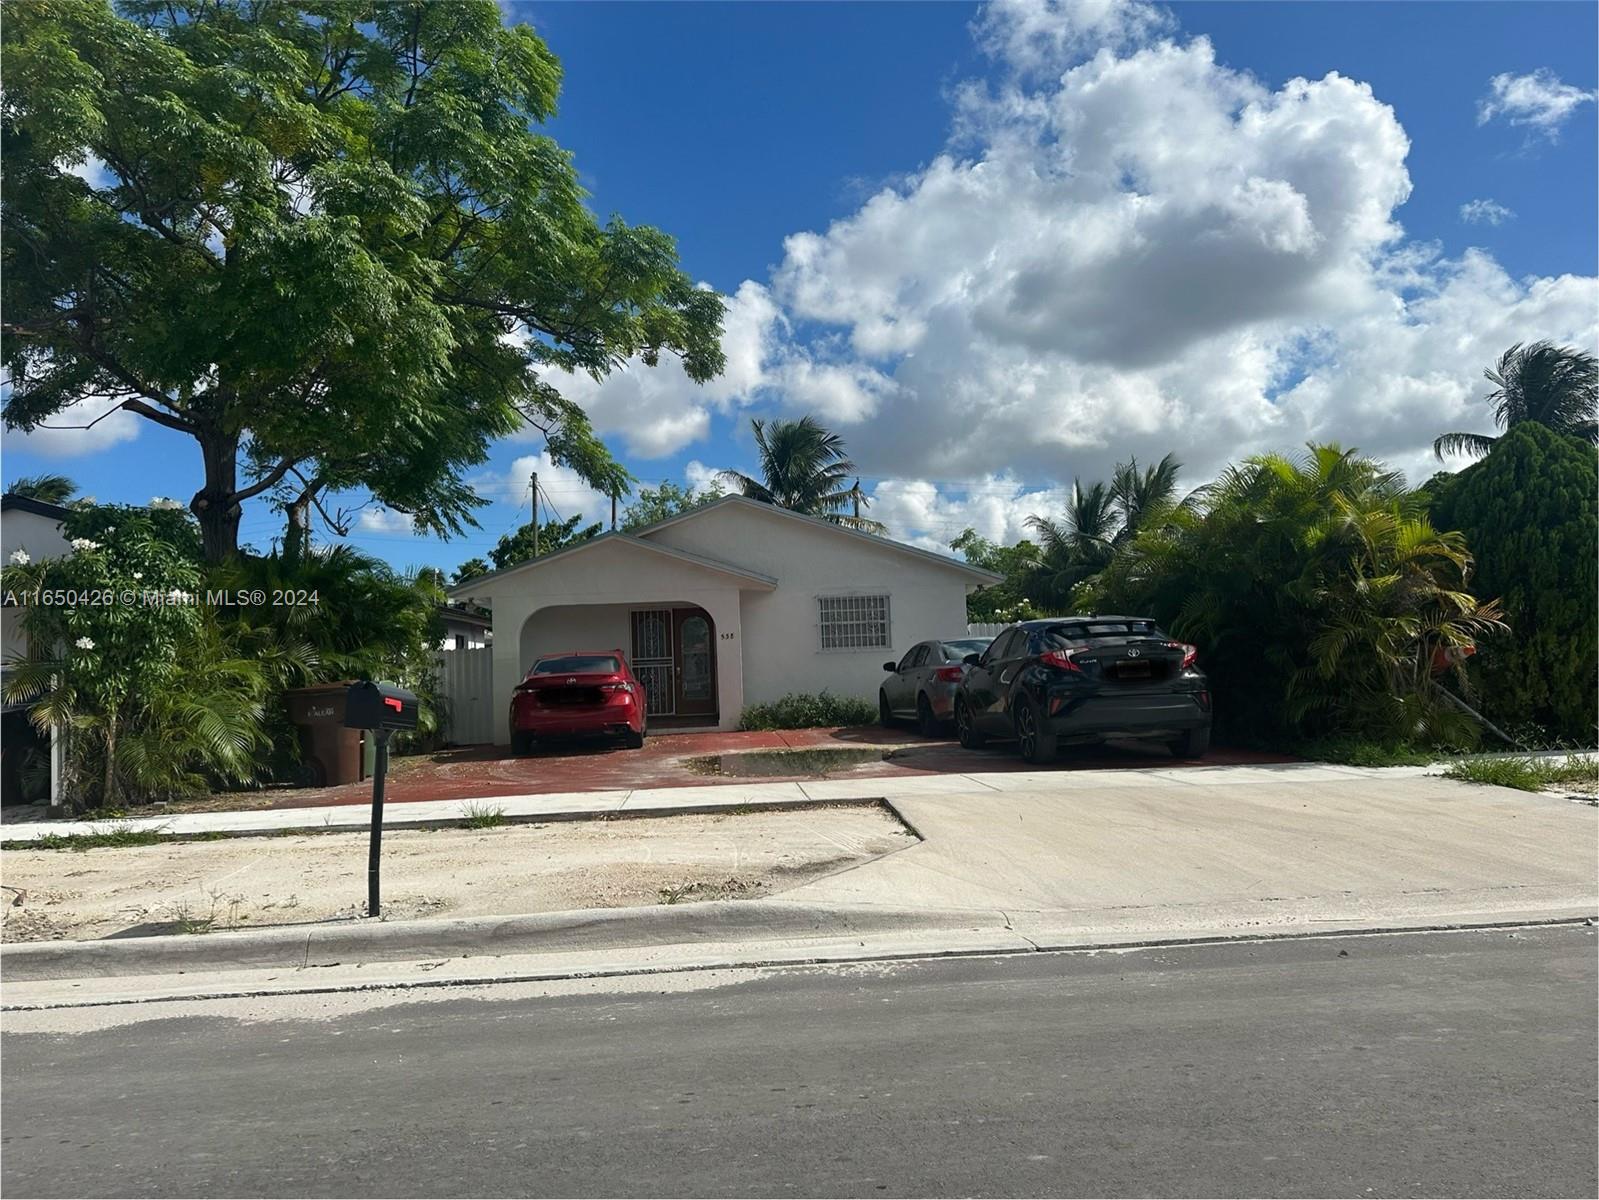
(854, 622)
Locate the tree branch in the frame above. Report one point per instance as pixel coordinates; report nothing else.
(269, 480)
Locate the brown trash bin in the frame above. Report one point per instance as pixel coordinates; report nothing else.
(329, 753)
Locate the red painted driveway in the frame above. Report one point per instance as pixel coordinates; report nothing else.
(492, 771)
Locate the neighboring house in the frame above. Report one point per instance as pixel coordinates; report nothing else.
(34, 527)
(734, 603)
(465, 630)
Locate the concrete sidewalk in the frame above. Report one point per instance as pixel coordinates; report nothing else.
(1021, 862)
(712, 797)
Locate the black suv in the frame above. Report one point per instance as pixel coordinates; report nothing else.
(1084, 679)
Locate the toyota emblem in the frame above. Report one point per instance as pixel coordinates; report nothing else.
(571, 679)
(1132, 654)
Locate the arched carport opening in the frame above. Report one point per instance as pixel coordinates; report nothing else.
(671, 646)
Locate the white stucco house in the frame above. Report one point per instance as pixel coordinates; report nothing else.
(734, 603)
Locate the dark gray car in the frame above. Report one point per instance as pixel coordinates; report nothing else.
(921, 686)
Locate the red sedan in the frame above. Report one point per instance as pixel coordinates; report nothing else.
(578, 693)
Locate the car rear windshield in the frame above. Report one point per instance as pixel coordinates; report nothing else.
(1076, 633)
(961, 648)
(578, 664)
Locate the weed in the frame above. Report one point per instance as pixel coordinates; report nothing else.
(113, 835)
(1525, 774)
(482, 816)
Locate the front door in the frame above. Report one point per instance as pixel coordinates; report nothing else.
(695, 668)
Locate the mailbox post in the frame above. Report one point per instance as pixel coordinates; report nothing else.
(381, 708)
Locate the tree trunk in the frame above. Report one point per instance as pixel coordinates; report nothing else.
(297, 534)
(216, 505)
(108, 791)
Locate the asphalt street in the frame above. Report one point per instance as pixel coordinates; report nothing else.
(1458, 1064)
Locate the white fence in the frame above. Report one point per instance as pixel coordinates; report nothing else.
(985, 629)
(466, 678)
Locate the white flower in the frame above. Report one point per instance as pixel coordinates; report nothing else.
(84, 544)
(164, 502)
(20, 557)
(137, 575)
(84, 643)
(110, 528)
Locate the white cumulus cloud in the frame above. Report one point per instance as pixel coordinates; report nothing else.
(86, 426)
(1538, 99)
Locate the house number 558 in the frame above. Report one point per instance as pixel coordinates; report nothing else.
(728, 637)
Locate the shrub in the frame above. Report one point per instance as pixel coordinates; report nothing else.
(1528, 513)
(806, 710)
(1319, 595)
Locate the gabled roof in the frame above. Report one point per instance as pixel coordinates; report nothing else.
(28, 504)
(881, 543)
(468, 586)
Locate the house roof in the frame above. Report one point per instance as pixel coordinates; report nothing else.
(873, 539)
(28, 504)
(469, 587)
(465, 615)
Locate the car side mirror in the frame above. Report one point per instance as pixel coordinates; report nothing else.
(973, 660)
(891, 668)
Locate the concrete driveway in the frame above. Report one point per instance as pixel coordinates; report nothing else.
(1187, 853)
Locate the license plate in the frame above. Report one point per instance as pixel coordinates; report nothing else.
(1134, 670)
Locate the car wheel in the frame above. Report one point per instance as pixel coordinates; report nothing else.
(969, 735)
(1192, 744)
(1038, 744)
(885, 715)
(521, 743)
(633, 739)
(926, 723)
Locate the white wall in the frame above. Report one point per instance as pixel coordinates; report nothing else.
(41, 537)
(780, 628)
(576, 627)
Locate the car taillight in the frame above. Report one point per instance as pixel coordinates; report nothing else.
(947, 674)
(1061, 660)
(1190, 653)
(624, 686)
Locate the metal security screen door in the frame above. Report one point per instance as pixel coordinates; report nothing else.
(652, 660)
(696, 664)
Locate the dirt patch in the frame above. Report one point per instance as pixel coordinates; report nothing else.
(246, 883)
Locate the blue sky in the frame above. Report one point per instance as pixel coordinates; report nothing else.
(990, 327)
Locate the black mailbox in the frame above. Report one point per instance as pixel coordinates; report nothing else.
(369, 705)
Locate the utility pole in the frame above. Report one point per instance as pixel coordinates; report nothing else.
(613, 512)
(533, 486)
(856, 492)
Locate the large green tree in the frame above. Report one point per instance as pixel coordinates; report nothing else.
(805, 468)
(668, 500)
(550, 537)
(325, 240)
(1319, 593)
(1528, 511)
(1542, 384)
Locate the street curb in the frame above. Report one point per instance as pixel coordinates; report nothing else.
(467, 937)
(770, 961)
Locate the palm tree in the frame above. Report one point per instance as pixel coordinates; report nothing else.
(1556, 386)
(1137, 493)
(804, 468)
(51, 489)
(1080, 543)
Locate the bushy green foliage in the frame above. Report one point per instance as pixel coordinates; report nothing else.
(157, 694)
(668, 500)
(1012, 599)
(808, 710)
(1318, 594)
(1530, 515)
(352, 615)
(553, 536)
